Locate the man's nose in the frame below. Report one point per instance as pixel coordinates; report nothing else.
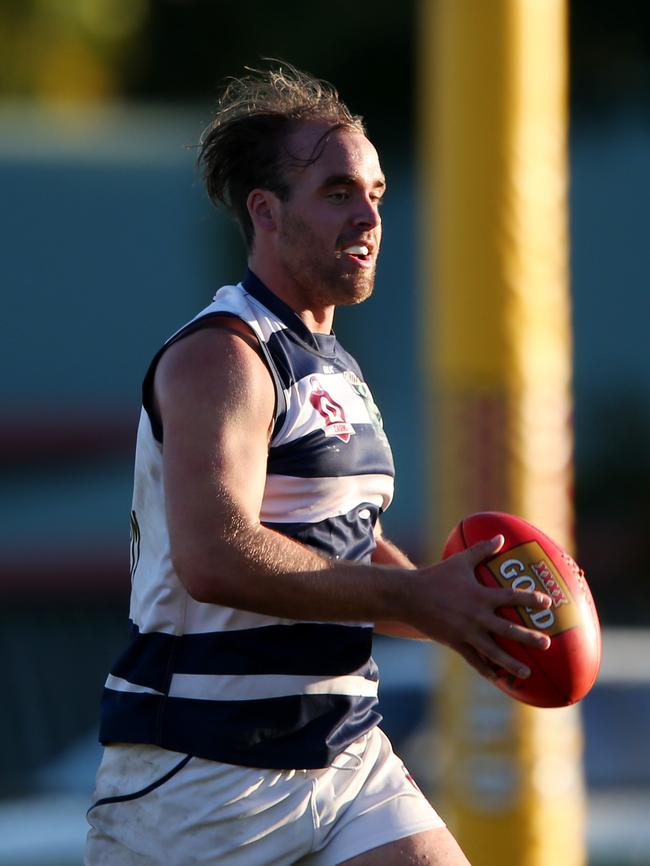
(367, 214)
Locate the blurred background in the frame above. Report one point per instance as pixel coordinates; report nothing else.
(109, 244)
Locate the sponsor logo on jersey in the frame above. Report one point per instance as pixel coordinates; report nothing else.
(330, 411)
(527, 566)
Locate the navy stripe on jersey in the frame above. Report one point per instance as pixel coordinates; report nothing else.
(293, 363)
(276, 732)
(318, 649)
(345, 537)
(291, 360)
(300, 731)
(320, 456)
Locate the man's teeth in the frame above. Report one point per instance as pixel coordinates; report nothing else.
(357, 250)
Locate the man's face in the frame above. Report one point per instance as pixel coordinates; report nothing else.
(330, 230)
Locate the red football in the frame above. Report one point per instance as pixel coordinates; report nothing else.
(564, 673)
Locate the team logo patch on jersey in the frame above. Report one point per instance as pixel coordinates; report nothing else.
(330, 411)
(363, 391)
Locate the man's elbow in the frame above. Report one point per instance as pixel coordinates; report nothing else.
(209, 581)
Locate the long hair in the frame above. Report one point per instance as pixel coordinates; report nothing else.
(245, 146)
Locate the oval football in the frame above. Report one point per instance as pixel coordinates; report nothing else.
(529, 559)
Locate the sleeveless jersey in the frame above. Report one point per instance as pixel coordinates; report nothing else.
(241, 687)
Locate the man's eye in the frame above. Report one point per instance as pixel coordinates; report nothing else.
(339, 195)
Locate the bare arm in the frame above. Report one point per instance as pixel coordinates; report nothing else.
(387, 553)
(215, 399)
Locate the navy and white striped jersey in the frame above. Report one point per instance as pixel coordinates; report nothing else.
(241, 687)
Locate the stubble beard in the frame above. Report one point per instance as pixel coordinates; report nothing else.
(322, 282)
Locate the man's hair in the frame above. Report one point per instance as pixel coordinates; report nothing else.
(245, 146)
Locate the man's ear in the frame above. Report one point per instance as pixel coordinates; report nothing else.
(262, 206)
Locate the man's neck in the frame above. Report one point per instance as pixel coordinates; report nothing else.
(318, 320)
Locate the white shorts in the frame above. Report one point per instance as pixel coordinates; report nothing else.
(153, 807)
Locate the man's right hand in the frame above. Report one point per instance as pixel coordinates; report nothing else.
(450, 606)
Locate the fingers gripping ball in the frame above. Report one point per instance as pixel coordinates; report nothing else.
(564, 673)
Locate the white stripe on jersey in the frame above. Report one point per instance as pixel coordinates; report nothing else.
(117, 684)
(241, 302)
(226, 687)
(236, 299)
(290, 499)
(301, 418)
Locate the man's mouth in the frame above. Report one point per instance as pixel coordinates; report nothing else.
(357, 250)
(361, 253)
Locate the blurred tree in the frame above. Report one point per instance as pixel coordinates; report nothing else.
(68, 50)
